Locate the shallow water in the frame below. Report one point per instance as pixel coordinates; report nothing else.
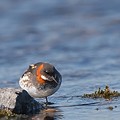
(81, 38)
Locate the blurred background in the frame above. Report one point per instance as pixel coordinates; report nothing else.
(80, 37)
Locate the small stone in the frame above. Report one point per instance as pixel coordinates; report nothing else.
(110, 108)
(97, 109)
(115, 106)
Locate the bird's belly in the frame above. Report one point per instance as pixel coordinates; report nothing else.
(42, 93)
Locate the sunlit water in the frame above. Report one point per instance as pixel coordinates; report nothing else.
(81, 38)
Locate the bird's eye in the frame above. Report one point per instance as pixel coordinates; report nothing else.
(47, 72)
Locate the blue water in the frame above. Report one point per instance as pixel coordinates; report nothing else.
(80, 38)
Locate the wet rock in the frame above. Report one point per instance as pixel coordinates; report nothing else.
(18, 101)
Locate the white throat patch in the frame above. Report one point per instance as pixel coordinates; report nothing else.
(43, 77)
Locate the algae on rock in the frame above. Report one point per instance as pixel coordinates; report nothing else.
(105, 93)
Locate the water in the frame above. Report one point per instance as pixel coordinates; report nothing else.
(81, 38)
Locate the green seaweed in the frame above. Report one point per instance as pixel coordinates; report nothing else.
(105, 93)
(6, 113)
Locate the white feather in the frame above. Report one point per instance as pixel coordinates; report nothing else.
(43, 77)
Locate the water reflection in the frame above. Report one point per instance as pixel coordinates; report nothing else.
(49, 114)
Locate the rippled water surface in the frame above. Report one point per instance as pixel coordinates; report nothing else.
(81, 38)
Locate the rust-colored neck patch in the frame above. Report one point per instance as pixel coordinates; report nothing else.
(38, 75)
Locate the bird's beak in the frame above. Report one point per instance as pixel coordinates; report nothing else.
(51, 78)
(54, 79)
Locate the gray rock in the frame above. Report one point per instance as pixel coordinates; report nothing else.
(19, 101)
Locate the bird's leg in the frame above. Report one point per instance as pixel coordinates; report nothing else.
(46, 101)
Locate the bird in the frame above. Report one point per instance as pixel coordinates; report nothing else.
(41, 80)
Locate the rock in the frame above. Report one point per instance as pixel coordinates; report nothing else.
(19, 101)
